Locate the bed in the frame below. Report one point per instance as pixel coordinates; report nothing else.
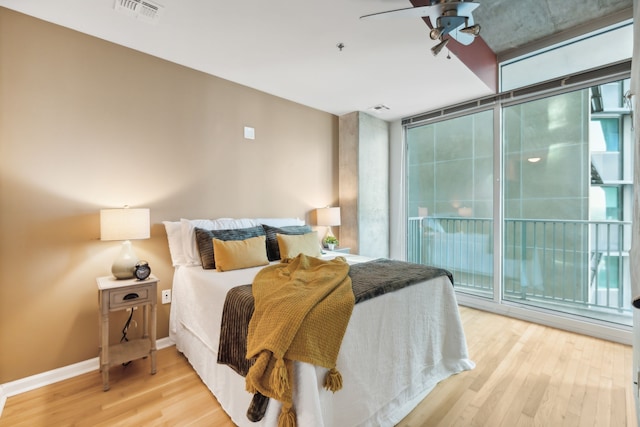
(395, 350)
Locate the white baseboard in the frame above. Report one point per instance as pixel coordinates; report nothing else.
(45, 378)
(622, 334)
(3, 399)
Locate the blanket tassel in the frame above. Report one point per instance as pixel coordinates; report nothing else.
(333, 380)
(280, 378)
(287, 417)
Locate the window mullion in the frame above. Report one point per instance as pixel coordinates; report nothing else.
(498, 210)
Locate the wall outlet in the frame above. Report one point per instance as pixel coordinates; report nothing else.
(166, 296)
(249, 133)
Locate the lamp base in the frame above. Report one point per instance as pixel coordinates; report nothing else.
(329, 232)
(125, 263)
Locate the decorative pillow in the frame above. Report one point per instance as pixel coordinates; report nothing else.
(205, 244)
(174, 237)
(273, 252)
(237, 254)
(293, 245)
(190, 247)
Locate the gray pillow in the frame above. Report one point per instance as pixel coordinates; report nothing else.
(205, 242)
(273, 251)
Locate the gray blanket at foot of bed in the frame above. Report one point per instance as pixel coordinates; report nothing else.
(369, 280)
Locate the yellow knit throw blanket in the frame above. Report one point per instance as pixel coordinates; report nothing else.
(302, 308)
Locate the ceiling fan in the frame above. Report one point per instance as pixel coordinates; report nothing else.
(446, 18)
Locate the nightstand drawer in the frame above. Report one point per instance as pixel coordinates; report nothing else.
(129, 297)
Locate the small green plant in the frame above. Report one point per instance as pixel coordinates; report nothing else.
(330, 240)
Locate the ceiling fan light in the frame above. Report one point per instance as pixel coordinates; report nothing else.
(435, 33)
(437, 48)
(474, 30)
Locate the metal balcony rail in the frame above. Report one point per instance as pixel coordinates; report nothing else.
(571, 265)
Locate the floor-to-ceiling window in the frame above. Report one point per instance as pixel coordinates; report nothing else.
(565, 172)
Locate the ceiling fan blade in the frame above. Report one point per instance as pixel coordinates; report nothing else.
(464, 8)
(408, 12)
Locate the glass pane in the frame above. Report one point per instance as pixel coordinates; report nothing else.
(564, 238)
(450, 199)
(610, 131)
(612, 95)
(608, 47)
(608, 272)
(612, 203)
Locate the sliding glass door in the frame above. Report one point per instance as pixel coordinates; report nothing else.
(566, 187)
(546, 199)
(565, 163)
(450, 187)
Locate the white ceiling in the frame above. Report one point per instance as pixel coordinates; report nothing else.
(288, 48)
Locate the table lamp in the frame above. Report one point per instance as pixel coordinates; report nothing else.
(328, 217)
(124, 224)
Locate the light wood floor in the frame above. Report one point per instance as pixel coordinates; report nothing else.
(526, 374)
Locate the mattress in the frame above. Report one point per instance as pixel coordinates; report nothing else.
(396, 348)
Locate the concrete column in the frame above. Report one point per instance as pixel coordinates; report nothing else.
(364, 184)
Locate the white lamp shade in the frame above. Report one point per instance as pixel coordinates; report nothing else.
(328, 216)
(124, 224)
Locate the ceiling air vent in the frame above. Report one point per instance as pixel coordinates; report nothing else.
(379, 108)
(144, 10)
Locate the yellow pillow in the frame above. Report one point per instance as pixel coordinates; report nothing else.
(237, 254)
(291, 245)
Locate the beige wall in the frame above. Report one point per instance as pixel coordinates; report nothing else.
(84, 125)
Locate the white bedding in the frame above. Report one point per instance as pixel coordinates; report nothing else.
(397, 347)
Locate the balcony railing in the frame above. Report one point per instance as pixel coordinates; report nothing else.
(581, 267)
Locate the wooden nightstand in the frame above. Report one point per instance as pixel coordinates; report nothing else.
(114, 295)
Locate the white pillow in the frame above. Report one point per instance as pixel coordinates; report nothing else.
(234, 223)
(189, 246)
(174, 236)
(279, 222)
(188, 226)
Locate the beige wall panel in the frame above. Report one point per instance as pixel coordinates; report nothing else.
(86, 124)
